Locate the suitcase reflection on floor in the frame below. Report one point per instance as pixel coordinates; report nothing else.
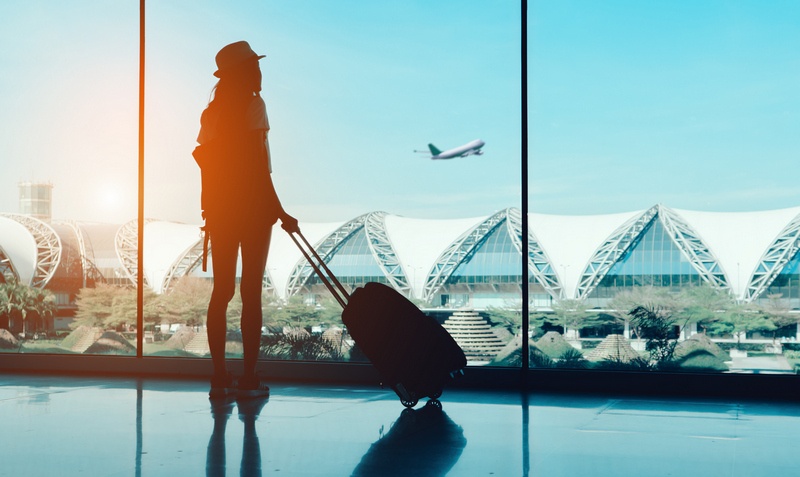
(422, 442)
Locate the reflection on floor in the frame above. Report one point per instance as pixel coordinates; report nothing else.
(114, 427)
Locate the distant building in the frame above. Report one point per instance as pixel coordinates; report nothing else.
(447, 263)
(36, 200)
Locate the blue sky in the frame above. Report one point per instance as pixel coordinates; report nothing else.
(352, 89)
(694, 104)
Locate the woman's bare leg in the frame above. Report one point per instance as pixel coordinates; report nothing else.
(225, 251)
(254, 261)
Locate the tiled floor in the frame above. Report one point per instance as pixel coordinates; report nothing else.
(57, 426)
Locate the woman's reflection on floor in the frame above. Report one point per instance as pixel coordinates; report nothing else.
(221, 411)
(422, 442)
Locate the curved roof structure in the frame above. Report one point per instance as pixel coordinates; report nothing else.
(570, 257)
(32, 247)
(574, 243)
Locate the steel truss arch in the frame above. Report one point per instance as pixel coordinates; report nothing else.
(458, 252)
(612, 249)
(384, 253)
(539, 264)
(48, 248)
(326, 248)
(780, 252)
(126, 245)
(89, 270)
(7, 271)
(189, 260)
(691, 244)
(184, 265)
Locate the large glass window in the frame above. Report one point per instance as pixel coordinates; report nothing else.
(395, 142)
(394, 136)
(659, 133)
(68, 114)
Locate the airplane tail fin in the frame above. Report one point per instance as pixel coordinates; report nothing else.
(434, 150)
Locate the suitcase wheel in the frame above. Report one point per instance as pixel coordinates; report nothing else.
(434, 403)
(409, 403)
(436, 394)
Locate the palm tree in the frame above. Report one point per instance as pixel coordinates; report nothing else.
(23, 307)
(41, 305)
(5, 307)
(16, 296)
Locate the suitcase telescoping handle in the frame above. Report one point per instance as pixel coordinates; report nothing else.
(328, 278)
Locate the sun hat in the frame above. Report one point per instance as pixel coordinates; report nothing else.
(233, 55)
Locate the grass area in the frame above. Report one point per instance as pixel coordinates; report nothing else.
(44, 346)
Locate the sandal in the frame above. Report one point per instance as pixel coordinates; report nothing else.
(221, 386)
(252, 387)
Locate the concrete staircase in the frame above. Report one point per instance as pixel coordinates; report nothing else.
(473, 333)
(199, 344)
(87, 339)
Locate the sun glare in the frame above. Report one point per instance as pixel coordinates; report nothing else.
(109, 198)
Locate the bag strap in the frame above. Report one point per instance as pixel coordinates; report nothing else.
(328, 278)
(204, 231)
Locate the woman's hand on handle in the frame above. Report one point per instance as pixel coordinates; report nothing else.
(289, 223)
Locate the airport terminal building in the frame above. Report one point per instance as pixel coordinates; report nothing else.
(448, 263)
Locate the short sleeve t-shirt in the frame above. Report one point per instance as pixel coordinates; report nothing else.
(255, 119)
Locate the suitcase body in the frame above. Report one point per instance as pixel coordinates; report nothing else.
(412, 352)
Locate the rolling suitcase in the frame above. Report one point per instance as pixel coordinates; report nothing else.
(412, 352)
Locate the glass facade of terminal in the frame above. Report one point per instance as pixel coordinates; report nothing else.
(353, 263)
(80, 289)
(787, 283)
(495, 262)
(653, 260)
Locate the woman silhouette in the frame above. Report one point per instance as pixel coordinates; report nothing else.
(240, 206)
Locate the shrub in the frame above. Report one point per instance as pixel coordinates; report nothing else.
(573, 359)
(298, 346)
(701, 360)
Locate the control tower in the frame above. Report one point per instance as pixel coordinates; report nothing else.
(36, 200)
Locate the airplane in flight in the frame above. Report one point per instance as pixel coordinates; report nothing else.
(468, 149)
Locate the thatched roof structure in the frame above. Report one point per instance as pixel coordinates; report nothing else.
(511, 355)
(613, 348)
(7, 340)
(182, 337)
(111, 342)
(700, 341)
(553, 344)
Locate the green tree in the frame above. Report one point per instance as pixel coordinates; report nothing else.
(746, 318)
(573, 315)
(330, 312)
(5, 307)
(25, 305)
(778, 310)
(705, 305)
(186, 302)
(509, 318)
(655, 325)
(295, 313)
(124, 309)
(651, 298)
(94, 305)
(40, 305)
